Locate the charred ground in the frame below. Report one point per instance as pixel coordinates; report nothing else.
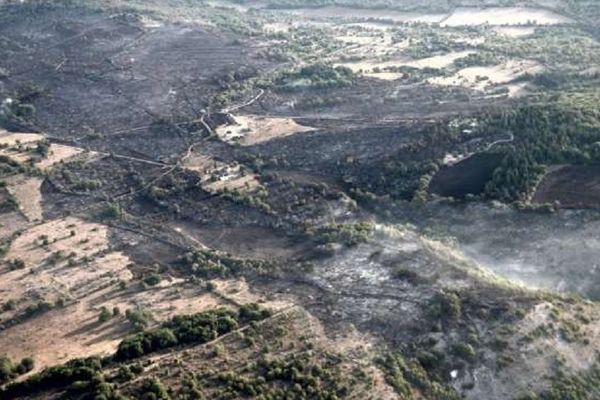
(134, 205)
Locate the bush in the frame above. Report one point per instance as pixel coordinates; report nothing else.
(25, 365)
(16, 264)
(139, 319)
(7, 369)
(465, 351)
(153, 389)
(83, 369)
(253, 312)
(110, 211)
(449, 305)
(152, 280)
(408, 275)
(104, 315)
(188, 329)
(43, 148)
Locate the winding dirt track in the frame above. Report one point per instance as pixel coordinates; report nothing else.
(229, 110)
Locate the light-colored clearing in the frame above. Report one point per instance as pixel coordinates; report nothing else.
(26, 191)
(373, 44)
(515, 31)
(374, 26)
(451, 159)
(217, 175)
(49, 283)
(276, 27)
(504, 16)
(368, 67)
(86, 285)
(74, 331)
(471, 41)
(238, 291)
(441, 61)
(590, 71)
(150, 23)
(231, 178)
(363, 14)
(386, 76)
(68, 282)
(249, 129)
(12, 139)
(10, 223)
(482, 77)
(366, 39)
(56, 154)
(89, 238)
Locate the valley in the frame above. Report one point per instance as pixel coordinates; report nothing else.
(294, 199)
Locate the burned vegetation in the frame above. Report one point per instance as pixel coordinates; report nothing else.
(298, 200)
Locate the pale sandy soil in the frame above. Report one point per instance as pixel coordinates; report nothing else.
(238, 291)
(249, 129)
(441, 61)
(72, 283)
(386, 76)
(372, 40)
(591, 71)
(499, 74)
(371, 45)
(276, 27)
(246, 6)
(10, 223)
(232, 178)
(225, 176)
(370, 25)
(476, 41)
(11, 139)
(90, 282)
(354, 13)
(89, 238)
(58, 153)
(504, 16)
(74, 331)
(26, 191)
(44, 280)
(151, 23)
(515, 31)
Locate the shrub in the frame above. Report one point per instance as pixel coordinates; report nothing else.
(139, 319)
(104, 315)
(7, 369)
(408, 275)
(25, 365)
(43, 148)
(152, 280)
(188, 329)
(16, 264)
(465, 351)
(153, 388)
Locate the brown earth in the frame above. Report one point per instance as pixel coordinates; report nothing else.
(572, 186)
